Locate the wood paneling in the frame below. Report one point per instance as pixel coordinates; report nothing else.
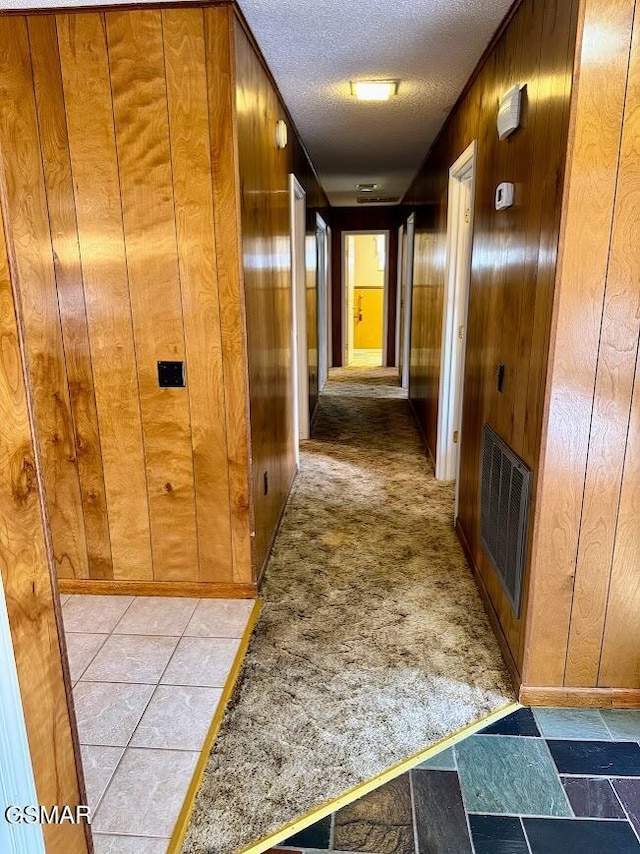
(28, 577)
(266, 253)
(584, 627)
(513, 259)
(118, 152)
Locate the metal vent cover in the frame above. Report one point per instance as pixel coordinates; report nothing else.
(504, 512)
(378, 200)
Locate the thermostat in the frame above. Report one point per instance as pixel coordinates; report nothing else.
(504, 195)
(509, 112)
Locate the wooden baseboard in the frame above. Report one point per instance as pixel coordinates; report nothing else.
(200, 590)
(598, 698)
(509, 660)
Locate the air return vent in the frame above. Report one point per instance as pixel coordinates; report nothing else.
(378, 200)
(504, 505)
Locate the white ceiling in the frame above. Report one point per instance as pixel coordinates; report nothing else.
(315, 48)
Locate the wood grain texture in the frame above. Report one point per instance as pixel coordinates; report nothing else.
(32, 260)
(513, 260)
(595, 698)
(87, 89)
(27, 574)
(187, 98)
(581, 460)
(191, 589)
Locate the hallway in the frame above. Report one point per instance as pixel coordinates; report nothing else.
(372, 643)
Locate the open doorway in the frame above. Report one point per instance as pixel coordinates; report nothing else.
(300, 389)
(454, 319)
(366, 276)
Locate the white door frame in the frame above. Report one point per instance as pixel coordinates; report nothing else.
(408, 299)
(345, 292)
(399, 285)
(454, 317)
(300, 372)
(17, 784)
(324, 304)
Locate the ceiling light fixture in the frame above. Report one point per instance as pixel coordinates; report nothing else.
(374, 90)
(366, 188)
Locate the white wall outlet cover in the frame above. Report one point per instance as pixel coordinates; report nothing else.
(282, 134)
(504, 195)
(509, 111)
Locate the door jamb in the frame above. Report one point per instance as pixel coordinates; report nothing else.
(408, 299)
(324, 301)
(385, 293)
(300, 373)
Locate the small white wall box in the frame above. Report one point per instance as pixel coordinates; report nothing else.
(509, 111)
(281, 134)
(504, 195)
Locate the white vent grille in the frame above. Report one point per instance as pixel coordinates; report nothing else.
(504, 512)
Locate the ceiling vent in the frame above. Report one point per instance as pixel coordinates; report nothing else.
(378, 200)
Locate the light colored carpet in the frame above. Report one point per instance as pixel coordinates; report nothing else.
(373, 642)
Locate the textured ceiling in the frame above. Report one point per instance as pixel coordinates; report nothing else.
(315, 48)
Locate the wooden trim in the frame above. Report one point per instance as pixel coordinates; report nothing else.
(182, 823)
(507, 655)
(198, 589)
(597, 698)
(111, 7)
(267, 842)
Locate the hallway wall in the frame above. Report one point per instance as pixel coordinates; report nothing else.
(513, 265)
(264, 181)
(363, 219)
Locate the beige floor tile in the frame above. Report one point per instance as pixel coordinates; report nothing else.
(201, 661)
(94, 614)
(220, 618)
(146, 792)
(156, 615)
(177, 717)
(107, 713)
(98, 764)
(108, 844)
(81, 649)
(131, 658)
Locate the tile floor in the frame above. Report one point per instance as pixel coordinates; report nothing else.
(147, 674)
(543, 781)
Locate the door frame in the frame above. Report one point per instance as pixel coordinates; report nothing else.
(344, 300)
(407, 285)
(399, 281)
(324, 299)
(300, 372)
(462, 176)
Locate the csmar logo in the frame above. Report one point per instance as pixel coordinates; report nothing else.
(39, 814)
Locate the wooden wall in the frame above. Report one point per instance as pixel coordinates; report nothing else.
(363, 219)
(513, 265)
(28, 578)
(583, 640)
(264, 180)
(116, 157)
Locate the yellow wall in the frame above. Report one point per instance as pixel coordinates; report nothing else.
(368, 293)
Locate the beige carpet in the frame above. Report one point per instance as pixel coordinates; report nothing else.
(372, 643)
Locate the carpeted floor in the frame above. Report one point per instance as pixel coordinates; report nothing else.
(372, 643)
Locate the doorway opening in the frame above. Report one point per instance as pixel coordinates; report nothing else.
(454, 319)
(406, 237)
(300, 373)
(365, 278)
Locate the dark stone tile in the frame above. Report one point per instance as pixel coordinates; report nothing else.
(592, 797)
(441, 824)
(596, 758)
(497, 834)
(629, 793)
(315, 836)
(520, 722)
(580, 836)
(380, 822)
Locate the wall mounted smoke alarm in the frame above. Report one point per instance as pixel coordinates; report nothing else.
(504, 195)
(282, 134)
(509, 111)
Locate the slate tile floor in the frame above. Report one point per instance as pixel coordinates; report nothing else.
(539, 781)
(147, 674)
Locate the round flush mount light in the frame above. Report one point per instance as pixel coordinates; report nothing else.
(282, 134)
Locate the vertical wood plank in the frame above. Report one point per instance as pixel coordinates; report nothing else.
(87, 90)
(68, 272)
(30, 246)
(27, 577)
(220, 48)
(191, 159)
(595, 138)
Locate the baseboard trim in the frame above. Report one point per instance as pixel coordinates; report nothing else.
(180, 829)
(199, 589)
(598, 698)
(507, 655)
(274, 839)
